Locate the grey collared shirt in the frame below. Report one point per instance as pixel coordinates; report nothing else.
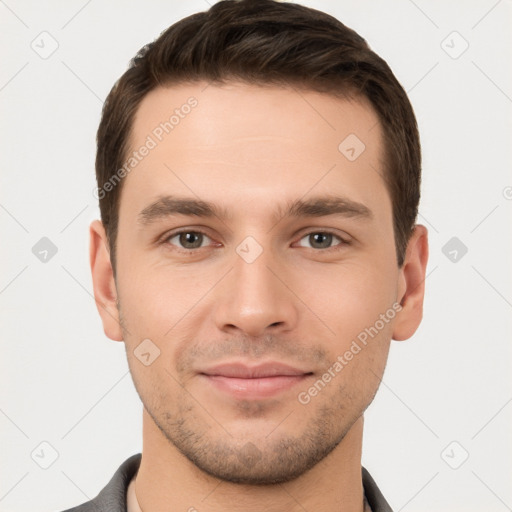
(114, 496)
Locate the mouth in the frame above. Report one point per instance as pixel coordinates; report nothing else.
(254, 382)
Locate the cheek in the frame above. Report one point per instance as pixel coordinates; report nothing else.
(349, 297)
(154, 299)
(154, 384)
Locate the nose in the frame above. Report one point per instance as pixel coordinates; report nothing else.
(255, 298)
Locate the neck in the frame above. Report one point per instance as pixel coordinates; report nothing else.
(167, 480)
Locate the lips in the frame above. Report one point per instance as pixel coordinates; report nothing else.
(254, 382)
(242, 371)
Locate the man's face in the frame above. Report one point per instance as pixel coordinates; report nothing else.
(251, 307)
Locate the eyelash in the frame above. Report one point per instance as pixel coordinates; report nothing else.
(167, 237)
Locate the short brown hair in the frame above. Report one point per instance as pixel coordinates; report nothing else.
(266, 42)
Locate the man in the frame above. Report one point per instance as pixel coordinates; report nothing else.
(258, 173)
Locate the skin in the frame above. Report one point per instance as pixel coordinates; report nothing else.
(250, 149)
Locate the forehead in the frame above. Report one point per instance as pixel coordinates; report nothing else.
(239, 142)
(226, 113)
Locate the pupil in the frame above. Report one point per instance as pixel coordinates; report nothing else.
(322, 239)
(191, 240)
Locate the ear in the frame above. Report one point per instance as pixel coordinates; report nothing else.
(411, 285)
(105, 293)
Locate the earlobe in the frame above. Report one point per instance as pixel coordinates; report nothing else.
(105, 293)
(411, 286)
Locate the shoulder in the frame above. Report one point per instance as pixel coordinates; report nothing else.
(112, 497)
(372, 493)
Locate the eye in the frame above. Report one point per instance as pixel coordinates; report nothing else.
(321, 240)
(188, 240)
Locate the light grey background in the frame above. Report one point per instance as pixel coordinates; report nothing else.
(65, 383)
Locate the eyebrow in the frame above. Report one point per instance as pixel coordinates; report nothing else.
(168, 206)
